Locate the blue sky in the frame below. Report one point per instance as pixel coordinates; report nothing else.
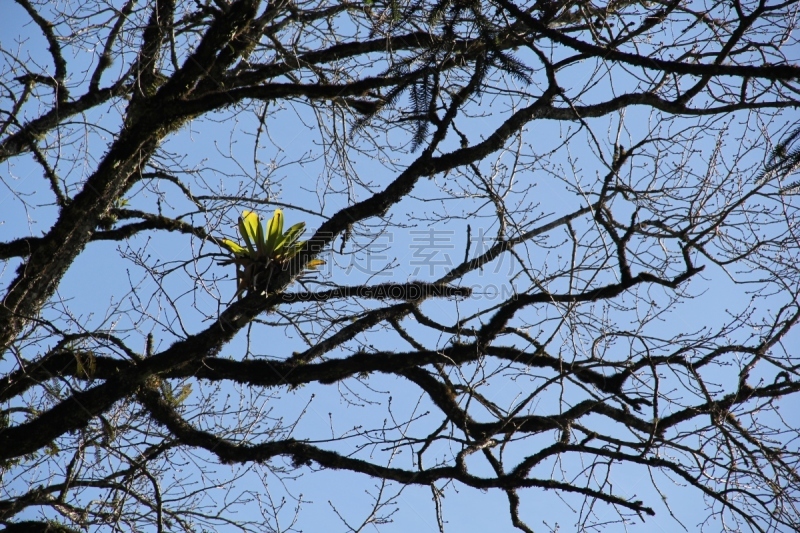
(289, 164)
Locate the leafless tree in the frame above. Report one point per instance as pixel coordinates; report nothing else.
(561, 265)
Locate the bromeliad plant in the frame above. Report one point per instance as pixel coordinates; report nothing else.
(263, 251)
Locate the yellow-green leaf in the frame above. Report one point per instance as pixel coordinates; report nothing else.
(291, 235)
(314, 263)
(287, 252)
(248, 227)
(261, 244)
(274, 231)
(233, 247)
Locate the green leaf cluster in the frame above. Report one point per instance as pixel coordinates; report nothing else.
(263, 248)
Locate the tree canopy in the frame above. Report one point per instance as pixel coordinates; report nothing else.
(257, 253)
